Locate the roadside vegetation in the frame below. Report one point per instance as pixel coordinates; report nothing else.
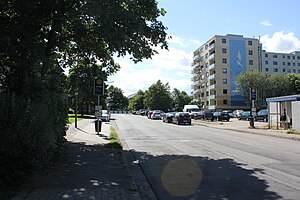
(114, 141)
(38, 40)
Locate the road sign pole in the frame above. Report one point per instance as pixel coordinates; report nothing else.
(98, 121)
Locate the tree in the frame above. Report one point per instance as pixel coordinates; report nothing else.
(158, 97)
(116, 99)
(180, 99)
(252, 79)
(36, 34)
(137, 102)
(294, 83)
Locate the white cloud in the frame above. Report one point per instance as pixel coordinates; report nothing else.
(173, 66)
(196, 42)
(265, 23)
(177, 40)
(281, 42)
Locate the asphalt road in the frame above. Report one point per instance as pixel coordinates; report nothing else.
(196, 162)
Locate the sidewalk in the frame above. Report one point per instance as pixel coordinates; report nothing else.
(261, 128)
(87, 170)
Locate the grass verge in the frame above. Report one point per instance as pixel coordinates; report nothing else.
(114, 141)
(71, 117)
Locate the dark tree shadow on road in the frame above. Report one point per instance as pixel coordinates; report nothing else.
(186, 177)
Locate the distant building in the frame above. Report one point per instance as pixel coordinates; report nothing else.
(218, 62)
(280, 62)
(130, 97)
(216, 65)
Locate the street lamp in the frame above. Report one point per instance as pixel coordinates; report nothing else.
(76, 95)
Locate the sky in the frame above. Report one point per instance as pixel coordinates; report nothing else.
(191, 23)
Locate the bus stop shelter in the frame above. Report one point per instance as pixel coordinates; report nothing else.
(284, 112)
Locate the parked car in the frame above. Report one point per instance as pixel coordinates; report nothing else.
(205, 115)
(245, 115)
(237, 113)
(156, 115)
(229, 112)
(262, 115)
(105, 116)
(182, 118)
(220, 116)
(168, 117)
(149, 114)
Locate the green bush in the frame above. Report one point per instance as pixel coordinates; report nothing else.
(32, 133)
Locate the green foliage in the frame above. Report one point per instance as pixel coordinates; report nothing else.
(116, 99)
(158, 97)
(137, 102)
(32, 133)
(180, 99)
(267, 85)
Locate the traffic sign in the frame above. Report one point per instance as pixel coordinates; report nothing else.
(253, 94)
(98, 87)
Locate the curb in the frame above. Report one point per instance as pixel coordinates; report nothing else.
(277, 135)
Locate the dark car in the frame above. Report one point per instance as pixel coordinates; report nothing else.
(168, 117)
(245, 115)
(221, 116)
(205, 115)
(262, 115)
(182, 118)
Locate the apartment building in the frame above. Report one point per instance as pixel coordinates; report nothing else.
(280, 62)
(216, 65)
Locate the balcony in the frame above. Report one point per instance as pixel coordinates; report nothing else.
(196, 57)
(212, 107)
(211, 97)
(211, 87)
(213, 76)
(212, 66)
(211, 47)
(196, 83)
(212, 56)
(197, 64)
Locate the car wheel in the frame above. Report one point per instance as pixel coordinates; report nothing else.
(190, 123)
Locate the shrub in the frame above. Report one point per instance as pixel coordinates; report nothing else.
(32, 133)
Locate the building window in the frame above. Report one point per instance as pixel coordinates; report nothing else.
(224, 50)
(298, 64)
(250, 62)
(206, 84)
(223, 40)
(298, 57)
(207, 93)
(206, 64)
(289, 64)
(275, 63)
(224, 60)
(298, 70)
(225, 101)
(206, 55)
(275, 70)
(266, 55)
(274, 56)
(283, 63)
(266, 69)
(294, 70)
(294, 64)
(293, 57)
(206, 46)
(283, 56)
(207, 74)
(224, 70)
(207, 103)
(249, 42)
(266, 62)
(288, 57)
(202, 94)
(224, 91)
(224, 80)
(283, 70)
(250, 52)
(289, 70)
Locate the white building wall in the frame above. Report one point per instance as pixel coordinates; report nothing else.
(296, 115)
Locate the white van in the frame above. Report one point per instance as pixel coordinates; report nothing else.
(191, 108)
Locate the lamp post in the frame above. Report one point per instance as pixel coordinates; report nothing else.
(76, 95)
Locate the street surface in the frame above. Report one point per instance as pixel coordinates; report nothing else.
(196, 162)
